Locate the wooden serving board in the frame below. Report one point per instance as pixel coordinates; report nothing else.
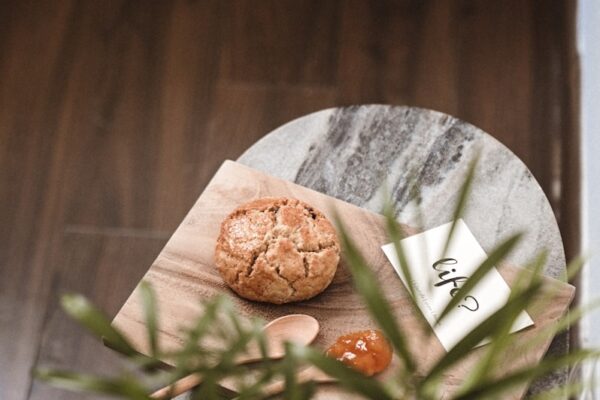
(184, 273)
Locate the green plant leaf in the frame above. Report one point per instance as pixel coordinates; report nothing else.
(569, 319)
(568, 391)
(346, 376)
(501, 338)
(462, 201)
(393, 230)
(482, 331)
(84, 312)
(575, 266)
(395, 235)
(149, 308)
(293, 388)
(126, 387)
(486, 389)
(219, 336)
(254, 389)
(532, 273)
(497, 255)
(367, 286)
(192, 348)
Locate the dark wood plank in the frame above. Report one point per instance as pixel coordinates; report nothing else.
(30, 99)
(495, 65)
(105, 266)
(114, 113)
(258, 37)
(242, 113)
(376, 47)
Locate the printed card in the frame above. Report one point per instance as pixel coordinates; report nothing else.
(437, 278)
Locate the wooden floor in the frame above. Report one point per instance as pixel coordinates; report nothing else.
(114, 115)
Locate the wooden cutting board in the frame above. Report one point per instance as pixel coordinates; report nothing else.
(184, 273)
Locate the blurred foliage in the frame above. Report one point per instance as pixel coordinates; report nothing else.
(220, 336)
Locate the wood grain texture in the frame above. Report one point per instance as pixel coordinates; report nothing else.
(115, 114)
(101, 266)
(184, 274)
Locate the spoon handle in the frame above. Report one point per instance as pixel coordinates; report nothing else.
(178, 387)
(297, 328)
(191, 381)
(309, 374)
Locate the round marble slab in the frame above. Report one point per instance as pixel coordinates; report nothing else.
(356, 153)
(359, 153)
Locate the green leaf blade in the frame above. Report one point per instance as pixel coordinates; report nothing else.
(346, 376)
(84, 312)
(381, 311)
(486, 389)
(149, 309)
(484, 268)
(462, 201)
(125, 387)
(483, 330)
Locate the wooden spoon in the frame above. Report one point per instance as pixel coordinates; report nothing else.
(295, 328)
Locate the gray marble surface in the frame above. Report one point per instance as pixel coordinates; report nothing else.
(356, 153)
(359, 153)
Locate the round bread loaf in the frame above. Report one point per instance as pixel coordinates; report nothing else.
(277, 250)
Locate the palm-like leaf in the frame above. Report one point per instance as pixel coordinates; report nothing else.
(84, 312)
(501, 338)
(489, 388)
(221, 324)
(367, 286)
(462, 202)
(125, 387)
(346, 376)
(490, 262)
(483, 331)
(149, 306)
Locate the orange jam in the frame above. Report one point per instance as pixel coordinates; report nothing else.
(366, 351)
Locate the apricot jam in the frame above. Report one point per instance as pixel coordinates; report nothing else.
(366, 351)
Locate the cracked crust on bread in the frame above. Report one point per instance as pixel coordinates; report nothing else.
(277, 250)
